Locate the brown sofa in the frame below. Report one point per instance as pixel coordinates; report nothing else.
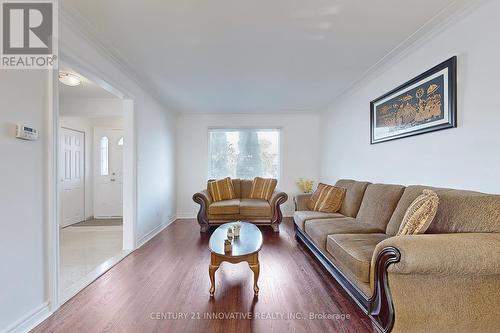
(243, 208)
(445, 280)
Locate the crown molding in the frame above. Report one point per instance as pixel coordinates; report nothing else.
(82, 27)
(448, 16)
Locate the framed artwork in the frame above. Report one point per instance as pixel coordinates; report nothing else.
(424, 104)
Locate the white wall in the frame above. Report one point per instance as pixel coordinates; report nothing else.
(156, 178)
(23, 225)
(22, 171)
(110, 122)
(299, 151)
(91, 107)
(464, 157)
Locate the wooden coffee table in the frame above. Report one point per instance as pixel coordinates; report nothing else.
(246, 247)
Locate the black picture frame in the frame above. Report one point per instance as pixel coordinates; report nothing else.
(447, 118)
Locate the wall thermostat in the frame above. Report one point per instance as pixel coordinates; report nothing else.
(26, 133)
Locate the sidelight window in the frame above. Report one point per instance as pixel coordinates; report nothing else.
(104, 146)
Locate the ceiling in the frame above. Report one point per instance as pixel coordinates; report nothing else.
(252, 56)
(87, 89)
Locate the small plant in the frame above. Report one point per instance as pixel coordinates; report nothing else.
(305, 185)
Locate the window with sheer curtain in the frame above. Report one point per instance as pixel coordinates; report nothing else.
(244, 153)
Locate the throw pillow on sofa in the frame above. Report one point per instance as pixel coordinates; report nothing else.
(327, 198)
(419, 214)
(263, 188)
(221, 189)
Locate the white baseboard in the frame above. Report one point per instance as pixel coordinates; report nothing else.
(186, 215)
(150, 235)
(30, 321)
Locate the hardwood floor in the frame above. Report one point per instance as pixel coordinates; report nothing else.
(154, 288)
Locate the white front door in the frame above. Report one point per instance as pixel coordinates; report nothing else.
(108, 173)
(72, 173)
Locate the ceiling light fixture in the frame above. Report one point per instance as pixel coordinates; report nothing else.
(69, 79)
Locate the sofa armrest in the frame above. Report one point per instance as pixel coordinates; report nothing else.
(300, 201)
(277, 199)
(445, 254)
(204, 199)
(204, 195)
(416, 277)
(276, 196)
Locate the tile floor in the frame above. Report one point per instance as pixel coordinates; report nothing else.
(83, 250)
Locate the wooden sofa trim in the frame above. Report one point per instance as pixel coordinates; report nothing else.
(202, 213)
(277, 214)
(379, 306)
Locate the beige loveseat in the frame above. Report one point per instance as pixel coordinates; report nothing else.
(447, 280)
(243, 208)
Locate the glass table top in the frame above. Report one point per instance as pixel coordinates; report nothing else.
(249, 241)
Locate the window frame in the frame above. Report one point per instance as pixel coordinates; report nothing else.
(243, 128)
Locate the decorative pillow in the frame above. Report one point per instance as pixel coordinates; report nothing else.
(420, 214)
(327, 198)
(221, 189)
(263, 188)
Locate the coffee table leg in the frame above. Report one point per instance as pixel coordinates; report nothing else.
(211, 272)
(255, 267)
(214, 266)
